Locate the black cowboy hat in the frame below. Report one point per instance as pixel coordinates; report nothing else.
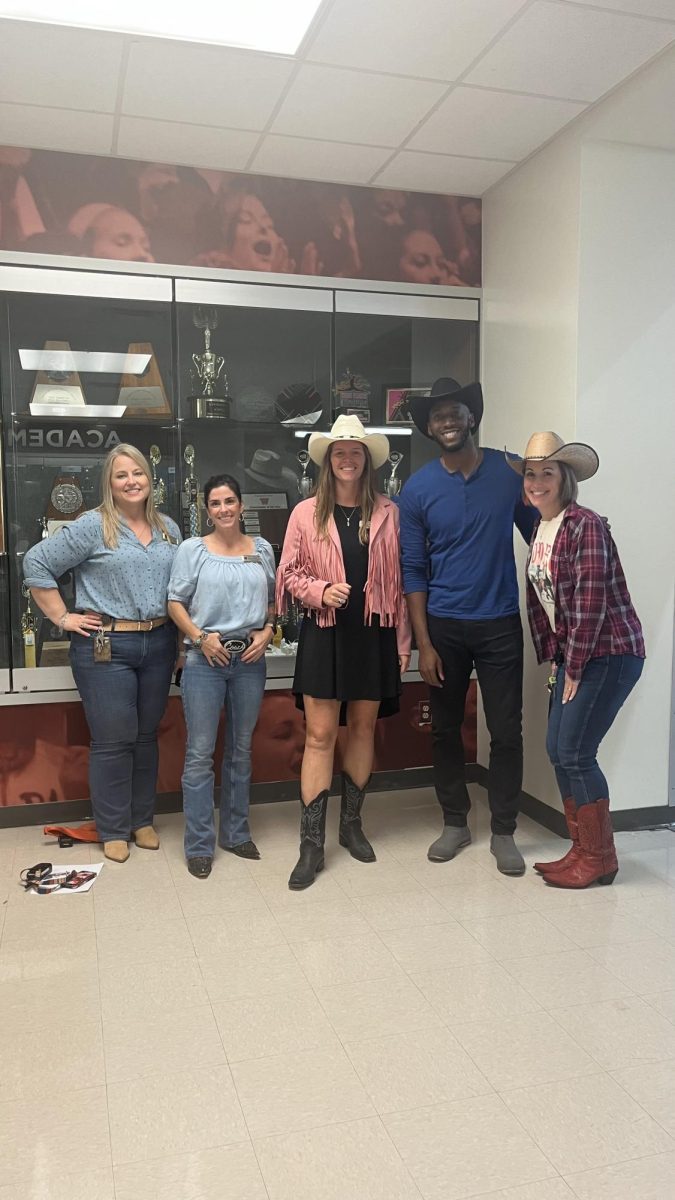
(420, 407)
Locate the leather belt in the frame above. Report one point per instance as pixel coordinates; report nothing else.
(117, 625)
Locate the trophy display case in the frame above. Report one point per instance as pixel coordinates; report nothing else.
(86, 363)
(204, 376)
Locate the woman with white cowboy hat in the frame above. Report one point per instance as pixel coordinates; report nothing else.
(341, 563)
(583, 622)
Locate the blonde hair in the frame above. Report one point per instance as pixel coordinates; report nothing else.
(110, 516)
(325, 496)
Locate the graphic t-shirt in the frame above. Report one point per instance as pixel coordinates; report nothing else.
(539, 566)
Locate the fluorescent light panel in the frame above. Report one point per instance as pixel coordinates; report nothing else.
(387, 430)
(83, 360)
(248, 24)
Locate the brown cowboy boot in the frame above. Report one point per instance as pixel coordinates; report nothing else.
(547, 868)
(595, 861)
(351, 833)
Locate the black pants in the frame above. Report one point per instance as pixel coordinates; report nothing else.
(495, 648)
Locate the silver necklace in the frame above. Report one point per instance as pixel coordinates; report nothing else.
(348, 518)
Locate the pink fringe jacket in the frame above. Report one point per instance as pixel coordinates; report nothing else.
(309, 565)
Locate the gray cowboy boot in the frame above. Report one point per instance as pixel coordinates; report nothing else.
(312, 836)
(352, 836)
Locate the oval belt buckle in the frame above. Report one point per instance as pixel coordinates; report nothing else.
(235, 645)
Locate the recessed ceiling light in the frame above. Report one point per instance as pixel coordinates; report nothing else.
(250, 24)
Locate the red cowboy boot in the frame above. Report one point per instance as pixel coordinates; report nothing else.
(595, 861)
(571, 817)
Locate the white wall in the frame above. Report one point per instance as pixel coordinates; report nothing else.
(579, 336)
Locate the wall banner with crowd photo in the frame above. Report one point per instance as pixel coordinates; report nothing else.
(82, 205)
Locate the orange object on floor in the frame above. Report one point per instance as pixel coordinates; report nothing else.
(69, 834)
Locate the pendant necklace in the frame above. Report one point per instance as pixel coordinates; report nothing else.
(348, 518)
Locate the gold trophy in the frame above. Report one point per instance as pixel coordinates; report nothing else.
(214, 400)
(28, 630)
(158, 485)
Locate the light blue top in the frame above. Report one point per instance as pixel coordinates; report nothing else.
(130, 582)
(230, 596)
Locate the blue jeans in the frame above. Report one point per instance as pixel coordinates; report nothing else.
(576, 729)
(240, 688)
(124, 701)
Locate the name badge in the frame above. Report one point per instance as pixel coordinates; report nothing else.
(253, 558)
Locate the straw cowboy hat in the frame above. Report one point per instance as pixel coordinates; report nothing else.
(348, 428)
(549, 447)
(446, 389)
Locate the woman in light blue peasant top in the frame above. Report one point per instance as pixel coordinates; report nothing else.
(121, 556)
(221, 597)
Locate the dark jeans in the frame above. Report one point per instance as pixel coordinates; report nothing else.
(124, 701)
(576, 729)
(495, 648)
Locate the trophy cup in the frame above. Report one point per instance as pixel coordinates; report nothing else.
(158, 486)
(191, 520)
(305, 482)
(214, 400)
(392, 484)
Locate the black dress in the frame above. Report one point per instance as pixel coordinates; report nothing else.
(349, 660)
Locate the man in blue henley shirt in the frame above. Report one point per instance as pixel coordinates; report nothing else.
(459, 576)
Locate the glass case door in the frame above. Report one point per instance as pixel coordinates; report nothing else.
(254, 364)
(5, 621)
(86, 363)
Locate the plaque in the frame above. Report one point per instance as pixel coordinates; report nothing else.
(57, 389)
(144, 395)
(66, 503)
(352, 395)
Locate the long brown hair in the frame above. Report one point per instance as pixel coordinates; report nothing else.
(325, 496)
(110, 517)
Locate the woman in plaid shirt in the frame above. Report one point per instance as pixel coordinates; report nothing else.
(583, 622)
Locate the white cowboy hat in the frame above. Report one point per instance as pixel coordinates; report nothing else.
(348, 428)
(549, 446)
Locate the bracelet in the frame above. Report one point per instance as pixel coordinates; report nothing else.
(62, 619)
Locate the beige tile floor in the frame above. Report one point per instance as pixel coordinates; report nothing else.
(401, 1030)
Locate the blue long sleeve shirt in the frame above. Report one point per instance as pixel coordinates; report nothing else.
(457, 538)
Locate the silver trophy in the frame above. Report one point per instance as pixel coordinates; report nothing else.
(191, 518)
(392, 484)
(214, 400)
(158, 486)
(305, 482)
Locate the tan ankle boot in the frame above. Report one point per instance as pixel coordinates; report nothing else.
(146, 838)
(117, 851)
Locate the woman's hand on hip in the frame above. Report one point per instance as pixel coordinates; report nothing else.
(260, 640)
(85, 623)
(336, 595)
(214, 652)
(569, 690)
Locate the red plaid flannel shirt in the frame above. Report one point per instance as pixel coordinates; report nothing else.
(593, 611)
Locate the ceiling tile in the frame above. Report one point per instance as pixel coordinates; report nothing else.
(648, 8)
(191, 145)
(441, 173)
(52, 128)
(71, 68)
(349, 106)
(569, 51)
(430, 38)
(304, 158)
(492, 124)
(173, 81)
